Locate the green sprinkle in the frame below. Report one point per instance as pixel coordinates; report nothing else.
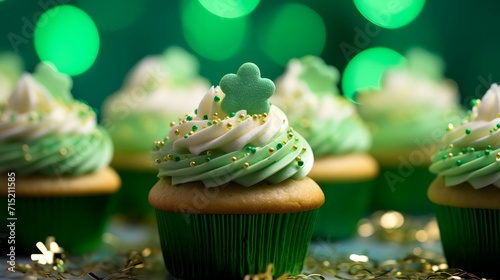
(177, 158)
(196, 111)
(251, 149)
(209, 123)
(486, 152)
(473, 102)
(189, 118)
(467, 131)
(488, 147)
(279, 146)
(471, 149)
(300, 163)
(186, 136)
(194, 128)
(216, 98)
(205, 117)
(232, 114)
(491, 131)
(478, 155)
(444, 156)
(464, 150)
(207, 159)
(459, 162)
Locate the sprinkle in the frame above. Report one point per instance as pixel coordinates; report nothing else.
(186, 136)
(488, 147)
(279, 146)
(450, 146)
(196, 111)
(298, 158)
(194, 128)
(172, 124)
(264, 115)
(498, 125)
(232, 114)
(445, 157)
(242, 116)
(216, 98)
(464, 150)
(215, 122)
(229, 125)
(189, 118)
(304, 149)
(192, 164)
(290, 135)
(284, 142)
(498, 157)
(209, 153)
(471, 149)
(157, 161)
(295, 147)
(491, 131)
(207, 159)
(233, 159)
(450, 155)
(270, 150)
(63, 151)
(246, 165)
(190, 132)
(216, 114)
(467, 131)
(205, 117)
(25, 147)
(177, 158)
(300, 163)
(209, 123)
(251, 149)
(170, 157)
(450, 127)
(27, 157)
(159, 143)
(176, 132)
(460, 154)
(486, 152)
(478, 155)
(254, 116)
(165, 158)
(473, 102)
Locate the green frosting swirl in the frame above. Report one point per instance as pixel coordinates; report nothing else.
(308, 95)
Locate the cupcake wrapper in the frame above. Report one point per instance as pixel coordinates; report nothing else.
(132, 198)
(204, 246)
(77, 223)
(471, 239)
(345, 204)
(403, 190)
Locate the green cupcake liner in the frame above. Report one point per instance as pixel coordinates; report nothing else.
(471, 239)
(345, 204)
(204, 246)
(403, 189)
(77, 223)
(131, 200)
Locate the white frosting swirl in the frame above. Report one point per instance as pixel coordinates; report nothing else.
(231, 132)
(32, 112)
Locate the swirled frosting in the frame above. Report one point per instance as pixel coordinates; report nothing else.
(410, 106)
(44, 131)
(215, 147)
(472, 152)
(307, 93)
(158, 88)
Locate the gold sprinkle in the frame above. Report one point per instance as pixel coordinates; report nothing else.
(450, 146)
(157, 161)
(271, 150)
(63, 151)
(290, 135)
(259, 116)
(176, 132)
(495, 128)
(298, 158)
(242, 116)
(450, 155)
(284, 142)
(165, 158)
(25, 147)
(27, 157)
(172, 124)
(183, 122)
(209, 152)
(192, 164)
(215, 122)
(264, 115)
(190, 133)
(233, 159)
(304, 149)
(254, 116)
(295, 147)
(498, 157)
(460, 153)
(170, 156)
(246, 165)
(450, 127)
(216, 114)
(229, 125)
(159, 143)
(263, 120)
(284, 121)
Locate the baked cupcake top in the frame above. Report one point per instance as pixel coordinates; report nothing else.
(160, 87)
(472, 152)
(11, 67)
(43, 130)
(236, 135)
(308, 94)
(413, 103)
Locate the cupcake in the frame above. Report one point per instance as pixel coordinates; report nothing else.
(340, 141)
(159, 88)
(466, 192)
(406, 117)
(11, 67)
(233, 196)
(57, 159)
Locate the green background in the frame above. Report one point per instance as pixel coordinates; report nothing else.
(463, 33)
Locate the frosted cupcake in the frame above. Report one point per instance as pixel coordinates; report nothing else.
(11, 67)
(307, 93)
(232, 196)
(58, 156)
(406, 117)
(467, 189)
(159, 88)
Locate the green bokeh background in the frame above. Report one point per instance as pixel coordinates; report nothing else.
(463, 32)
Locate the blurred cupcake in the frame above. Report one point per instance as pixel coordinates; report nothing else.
(159, 88)
(57, 157)
(406, 117)
(467, 189)
(232, 196)
(11, 68)
(307, 93)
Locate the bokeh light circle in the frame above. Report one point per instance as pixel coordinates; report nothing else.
(390, 13)
(366, 69)
(294, 30)
(113, 15)
(209, 35)
(230, 8)
(67, 37)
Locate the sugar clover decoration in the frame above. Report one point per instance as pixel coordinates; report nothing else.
(320, 77)
(58, 84)
(246, 90)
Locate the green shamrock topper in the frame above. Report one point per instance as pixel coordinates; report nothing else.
(246, 90)
(320, 77)
(58, 84)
